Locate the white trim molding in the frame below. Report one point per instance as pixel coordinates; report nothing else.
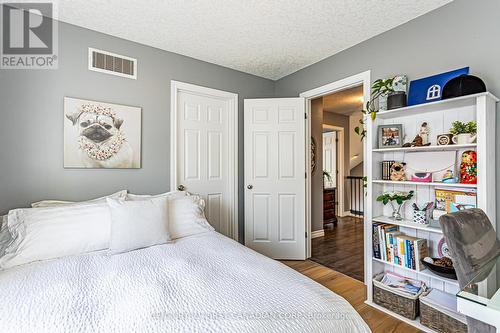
(232, 100)
(363, 78)
(317, 233)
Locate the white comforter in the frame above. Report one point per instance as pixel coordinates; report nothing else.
(203, 283)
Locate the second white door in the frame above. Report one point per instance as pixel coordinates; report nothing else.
(275, 177)
(330, 157)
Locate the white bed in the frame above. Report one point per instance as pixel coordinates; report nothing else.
(201, 283)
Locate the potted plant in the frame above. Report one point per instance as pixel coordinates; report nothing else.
(379, 88)
(463, 133)
(399, 197)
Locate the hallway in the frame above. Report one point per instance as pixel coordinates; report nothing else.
(341, 248)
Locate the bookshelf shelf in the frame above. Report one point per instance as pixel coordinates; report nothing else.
(433, 227)
(394, 182)
(438, 106)
(439, 116)
(424, 272)
(425, 149)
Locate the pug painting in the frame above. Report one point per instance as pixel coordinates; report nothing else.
(101, 135)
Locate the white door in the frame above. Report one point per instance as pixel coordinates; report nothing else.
(330, 157)
(275, 177)
(204, 142)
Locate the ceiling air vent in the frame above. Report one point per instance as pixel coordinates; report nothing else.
(111, 63)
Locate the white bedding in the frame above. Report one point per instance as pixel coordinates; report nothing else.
(201, 283)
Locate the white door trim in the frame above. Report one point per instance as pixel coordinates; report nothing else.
(351, 81)
(232, 99)
(340, 161)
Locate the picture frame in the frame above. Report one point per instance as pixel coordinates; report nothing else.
(390, 136)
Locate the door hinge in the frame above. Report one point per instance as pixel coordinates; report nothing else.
(305, 115)
(306, 234)
(305, 175)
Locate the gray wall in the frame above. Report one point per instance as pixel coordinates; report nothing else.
(31, 118)
(462, 33)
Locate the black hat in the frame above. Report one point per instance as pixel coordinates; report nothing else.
(463, 85)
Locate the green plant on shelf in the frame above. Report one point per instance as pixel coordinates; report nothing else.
(399, 198)
(458, 127)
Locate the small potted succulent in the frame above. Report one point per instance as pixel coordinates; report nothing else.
(463, 133)
(394, 198)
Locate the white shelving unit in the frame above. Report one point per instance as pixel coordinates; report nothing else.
(439, 115)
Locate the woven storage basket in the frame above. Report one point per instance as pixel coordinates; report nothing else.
(440, 320)
(398, 302)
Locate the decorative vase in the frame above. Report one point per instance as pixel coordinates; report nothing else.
(396, 211)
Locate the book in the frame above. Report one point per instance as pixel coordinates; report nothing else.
(376, 241)
(421, 250)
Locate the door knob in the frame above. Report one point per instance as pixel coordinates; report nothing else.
(181, 187)
(249, 187)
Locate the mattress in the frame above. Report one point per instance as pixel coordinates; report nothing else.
(201, 283)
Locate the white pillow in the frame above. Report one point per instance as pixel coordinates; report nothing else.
(173, 194)
(138, 224)
(53, 232)
(5, 238)
(186, 216)
(50, 203)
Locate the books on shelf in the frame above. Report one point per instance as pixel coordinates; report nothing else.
(393, 246)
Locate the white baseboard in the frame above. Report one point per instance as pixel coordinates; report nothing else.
(317, 233)
(347, 213)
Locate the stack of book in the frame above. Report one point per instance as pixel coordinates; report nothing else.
(391, 245)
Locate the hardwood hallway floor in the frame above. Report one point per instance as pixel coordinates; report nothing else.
(354, 292)
(342, 247)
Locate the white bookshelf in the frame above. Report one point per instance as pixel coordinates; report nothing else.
(439, 115)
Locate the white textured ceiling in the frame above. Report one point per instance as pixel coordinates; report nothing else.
(268, 38)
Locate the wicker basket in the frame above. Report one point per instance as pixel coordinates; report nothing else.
(440, 320)
(398, 302)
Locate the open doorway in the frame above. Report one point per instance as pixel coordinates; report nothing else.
(337, 196)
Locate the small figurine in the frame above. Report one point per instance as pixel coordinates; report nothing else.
(468, 167)
(417, 142)
(398, 171)
(448, 177)
(424, 134)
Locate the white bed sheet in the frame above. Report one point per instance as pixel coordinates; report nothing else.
(202, 283)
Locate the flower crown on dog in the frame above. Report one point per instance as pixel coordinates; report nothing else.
(97, 109)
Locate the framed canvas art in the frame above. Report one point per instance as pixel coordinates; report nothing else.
(101, 135)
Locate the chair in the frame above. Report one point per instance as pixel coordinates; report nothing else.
(472, 242)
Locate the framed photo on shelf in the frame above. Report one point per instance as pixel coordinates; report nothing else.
(390, 136)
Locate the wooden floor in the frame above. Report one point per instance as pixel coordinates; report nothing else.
(354, 292)
(342, 247)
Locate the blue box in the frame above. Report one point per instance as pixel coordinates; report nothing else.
(429, 89)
